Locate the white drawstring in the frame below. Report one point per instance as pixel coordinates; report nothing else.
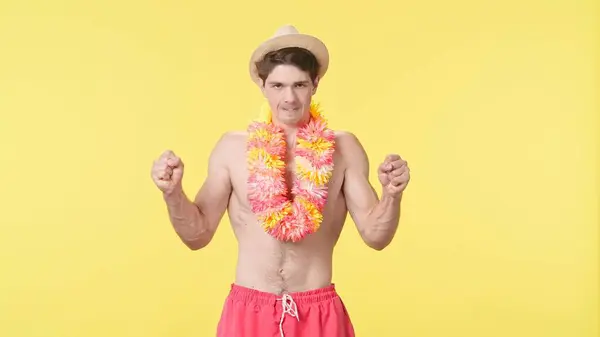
(290, 308)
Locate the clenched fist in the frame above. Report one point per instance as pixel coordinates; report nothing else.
(167, 172)
(394, 175)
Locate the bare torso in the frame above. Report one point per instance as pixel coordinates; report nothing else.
(267, 264)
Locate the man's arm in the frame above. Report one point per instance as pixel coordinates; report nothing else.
(196, 222)
(376, 219)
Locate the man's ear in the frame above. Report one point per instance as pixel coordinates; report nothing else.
(262, 87)
(315, 85)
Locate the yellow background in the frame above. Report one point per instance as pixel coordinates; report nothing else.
(494, 105)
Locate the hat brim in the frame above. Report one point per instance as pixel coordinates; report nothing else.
(308, 42)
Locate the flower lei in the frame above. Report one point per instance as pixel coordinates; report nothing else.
(282, 218)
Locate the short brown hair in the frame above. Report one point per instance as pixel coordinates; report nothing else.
(299, 57)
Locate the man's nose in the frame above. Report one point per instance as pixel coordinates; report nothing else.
(289, 96)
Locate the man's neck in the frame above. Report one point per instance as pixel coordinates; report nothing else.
(288, 129)
(289, 132)
(292, 129)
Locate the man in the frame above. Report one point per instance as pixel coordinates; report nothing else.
(283, 283)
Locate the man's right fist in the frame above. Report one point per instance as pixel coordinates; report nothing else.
(167, 172)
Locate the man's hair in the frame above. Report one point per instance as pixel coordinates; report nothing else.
(299, 57)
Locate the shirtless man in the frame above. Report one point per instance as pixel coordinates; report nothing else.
(283, 284)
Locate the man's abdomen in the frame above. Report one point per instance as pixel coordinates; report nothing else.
(266, 264)
(283, 269)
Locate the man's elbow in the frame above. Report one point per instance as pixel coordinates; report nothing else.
(196, 244)
(377, 239)
(378, 244)
(199, 242)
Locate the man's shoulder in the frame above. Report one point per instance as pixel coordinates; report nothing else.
(345, 139)
(234, 136)
(348, 146)
(230, 140)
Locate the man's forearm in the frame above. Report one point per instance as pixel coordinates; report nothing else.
(186, 217)
(382, 222)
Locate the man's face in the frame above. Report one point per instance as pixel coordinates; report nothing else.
(289, 91)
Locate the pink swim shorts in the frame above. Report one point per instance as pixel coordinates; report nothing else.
(315, 313)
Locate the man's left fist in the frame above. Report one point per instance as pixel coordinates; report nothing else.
(394, 175)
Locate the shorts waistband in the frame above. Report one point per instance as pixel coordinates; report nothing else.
(260, 297)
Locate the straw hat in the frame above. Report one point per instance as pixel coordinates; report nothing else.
(288, 36)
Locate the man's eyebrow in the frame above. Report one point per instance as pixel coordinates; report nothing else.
(295, 83)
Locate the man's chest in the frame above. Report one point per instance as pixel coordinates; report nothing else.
(241, 172)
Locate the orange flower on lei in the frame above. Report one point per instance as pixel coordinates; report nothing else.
(285, 218)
